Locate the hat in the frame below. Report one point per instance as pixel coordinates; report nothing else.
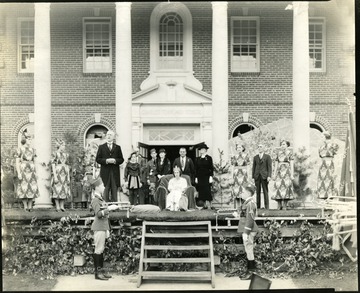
(250, 187)
(152, 151)
(162, 151)
(95, 182)
(202, 146)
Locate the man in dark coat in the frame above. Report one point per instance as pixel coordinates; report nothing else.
(186, 165)
(110, 157)
(261, 173)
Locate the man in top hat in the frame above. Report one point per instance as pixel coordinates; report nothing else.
(110, 157)
(261, 173)
(100, 226)
(185, 164)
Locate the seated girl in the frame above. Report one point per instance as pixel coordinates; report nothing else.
(176, 187)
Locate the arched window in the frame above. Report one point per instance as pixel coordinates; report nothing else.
(29, 130)
(95, 134)
(317, 126)
(171, 40)
(243, 128)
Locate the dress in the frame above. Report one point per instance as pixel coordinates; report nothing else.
(283, 184)
(325, 182)
(203, 170)
(27, 187)
(132, 175)
(60, 189)
(240, 162)
(176, 187)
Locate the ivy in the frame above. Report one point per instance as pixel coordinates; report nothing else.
(48, 248)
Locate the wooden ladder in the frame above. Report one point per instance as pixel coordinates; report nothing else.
(176, 230)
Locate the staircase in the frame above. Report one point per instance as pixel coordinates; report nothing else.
(194, 231)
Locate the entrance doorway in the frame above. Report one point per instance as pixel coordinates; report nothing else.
(172, 151)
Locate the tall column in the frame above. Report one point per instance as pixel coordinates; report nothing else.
(123, 102)
(220, 80)
(42, 103)
(301, 92)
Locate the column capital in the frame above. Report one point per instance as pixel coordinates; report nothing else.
(300, 7)
(42, 5)
(218, 4)
(120, 5)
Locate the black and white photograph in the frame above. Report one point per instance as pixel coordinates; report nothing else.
(178, 146)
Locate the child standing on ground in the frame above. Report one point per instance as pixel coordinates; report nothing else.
(249, 230)
(132, 179)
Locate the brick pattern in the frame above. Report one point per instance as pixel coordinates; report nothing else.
(267, 95)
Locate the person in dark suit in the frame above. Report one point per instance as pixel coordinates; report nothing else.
(100, 226)
(163, 166)
(186, 165)
(110, 157)
(261, 173)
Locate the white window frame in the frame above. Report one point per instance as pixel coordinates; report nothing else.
(30, 68)
(235, 64)
(86, 64)
(175, 61)
(322, 21)
(187, 57)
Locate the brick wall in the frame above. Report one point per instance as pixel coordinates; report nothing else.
(267, 96)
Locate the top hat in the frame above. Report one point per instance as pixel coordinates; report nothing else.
(202, 146)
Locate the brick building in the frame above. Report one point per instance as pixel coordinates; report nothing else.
(173, 73)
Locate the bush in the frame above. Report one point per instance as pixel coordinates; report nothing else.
(49, 250)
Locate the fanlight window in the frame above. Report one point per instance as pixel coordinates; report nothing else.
(171, 41)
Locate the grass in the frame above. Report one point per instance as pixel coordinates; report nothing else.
(24, 282)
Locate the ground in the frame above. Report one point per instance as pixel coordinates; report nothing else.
(341, 282)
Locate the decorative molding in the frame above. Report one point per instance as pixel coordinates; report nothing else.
(235, 123)
(324, 123)
(89, 122)
(20, 124)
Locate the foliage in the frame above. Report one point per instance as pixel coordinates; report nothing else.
(265, 137)
(8, 173)
(222, 182)
(303, 168)
(76, 155)
(302, 254)
(48, 248)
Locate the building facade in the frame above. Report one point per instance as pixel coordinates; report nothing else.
(173, 73)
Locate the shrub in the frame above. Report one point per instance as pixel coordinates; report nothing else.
(48, 249)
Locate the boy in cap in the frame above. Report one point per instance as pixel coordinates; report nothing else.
(250, 229)
(151, 174)
(100, 226)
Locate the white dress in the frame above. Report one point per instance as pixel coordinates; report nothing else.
(176, 187)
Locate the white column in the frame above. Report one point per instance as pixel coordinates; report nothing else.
(42, 103)
(220, 80)
(301, 92)
(123, 102)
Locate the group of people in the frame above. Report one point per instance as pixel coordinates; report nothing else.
(142, 176)
(261, 173)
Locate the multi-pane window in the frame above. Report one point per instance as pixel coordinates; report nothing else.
(317, 44)
(245, 44)
(171, 33)
(97, 45)
(26, 45)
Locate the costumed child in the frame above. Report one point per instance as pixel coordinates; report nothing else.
(100, 226)
(249, 230)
